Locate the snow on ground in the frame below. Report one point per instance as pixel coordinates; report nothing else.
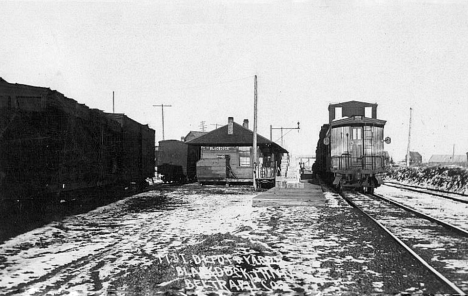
(448, 178)
(101, 244)
(334, 200)
(324, 250)
(441, 248)
(450, 211)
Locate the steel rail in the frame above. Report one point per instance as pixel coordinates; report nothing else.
(426, 188)
(408, 249)
(420, 190)
(425, 216)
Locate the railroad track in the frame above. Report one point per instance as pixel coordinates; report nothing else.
(440, 247)
(440, 193)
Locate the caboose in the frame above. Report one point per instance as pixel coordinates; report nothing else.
(354, 144)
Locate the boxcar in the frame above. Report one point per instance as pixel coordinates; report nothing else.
(52, 144)
(176, 161)
(136, 144)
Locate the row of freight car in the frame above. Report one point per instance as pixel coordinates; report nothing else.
(51, 145)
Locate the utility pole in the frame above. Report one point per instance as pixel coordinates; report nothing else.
(255, 135)
(409, 139)
(202, 126)
(113, 103)
(453, 153)
(216, 125)
(282, 128)
(162, 113)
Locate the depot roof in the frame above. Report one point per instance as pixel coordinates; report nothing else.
(240, 136)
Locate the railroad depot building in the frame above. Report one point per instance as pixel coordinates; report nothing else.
(226, 156)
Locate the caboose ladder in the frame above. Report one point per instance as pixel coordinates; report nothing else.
(367, 146)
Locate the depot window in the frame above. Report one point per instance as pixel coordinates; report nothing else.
(357, 134)
(244, 156)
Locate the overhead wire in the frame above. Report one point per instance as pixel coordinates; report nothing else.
(289, 130)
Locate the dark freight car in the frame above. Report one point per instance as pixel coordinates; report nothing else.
(136, 145)
(176, 161)
(321, 154)
(52, 144)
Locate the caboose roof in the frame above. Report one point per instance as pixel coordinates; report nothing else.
(352, 103)
(240, 137)
(358, 121)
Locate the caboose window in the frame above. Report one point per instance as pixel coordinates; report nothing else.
(368, 112)
(357, 134)
(338, 112)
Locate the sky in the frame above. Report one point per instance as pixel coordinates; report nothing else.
(200, 57)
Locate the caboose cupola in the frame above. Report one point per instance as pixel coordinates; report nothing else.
(350, 109)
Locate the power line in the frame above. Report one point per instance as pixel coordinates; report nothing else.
(283, 128)
(280, 138)
(216, 125)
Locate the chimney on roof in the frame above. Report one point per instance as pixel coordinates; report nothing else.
(230, 125)
(246, 123)
(182, 139)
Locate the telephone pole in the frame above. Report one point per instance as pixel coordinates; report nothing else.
(282, 128)
(162, 113)
(453, 153)
(216, 125)
(409, 139)
(202, 126)
(255, 135)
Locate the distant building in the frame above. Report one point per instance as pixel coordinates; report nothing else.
(415, 158)
(448, 160)
(193, 135)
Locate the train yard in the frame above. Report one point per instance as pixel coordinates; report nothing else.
(210, 239)
(101, 233)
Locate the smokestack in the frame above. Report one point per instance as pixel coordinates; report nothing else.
(230, 125)
(246, 123)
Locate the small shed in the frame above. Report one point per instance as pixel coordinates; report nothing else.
(226, 155)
